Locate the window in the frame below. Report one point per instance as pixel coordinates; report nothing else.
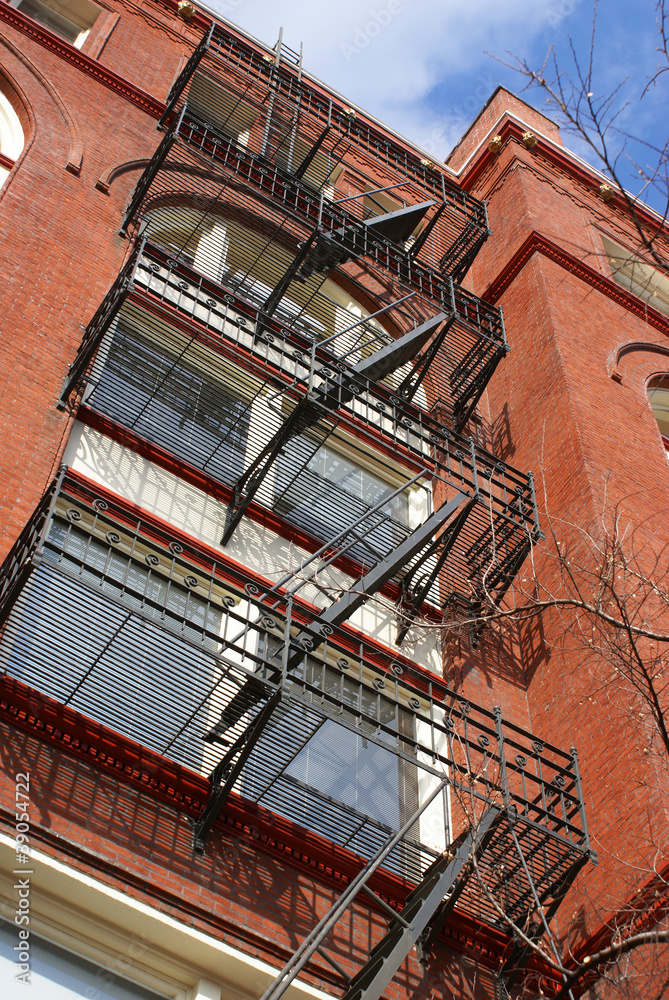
(325, 766)
(57, 974)
(381, 203)
(169, 399)
(346, 765)
(11, 138)
(638, 277)
(199, 406)
(242, 259)
(220, 110)
(90, 926)
(658, 394)
(69, 19)
(126, 605)
(323, 170)
(378, 202)
(341, 757)
(324, 491)
(273, 129)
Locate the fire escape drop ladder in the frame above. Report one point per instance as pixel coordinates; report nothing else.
(407, 925)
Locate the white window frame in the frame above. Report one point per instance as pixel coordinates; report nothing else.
(638, 276)
(86, 916)
(79, 13)
(12, 138)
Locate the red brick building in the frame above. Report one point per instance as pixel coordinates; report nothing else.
(263, 441)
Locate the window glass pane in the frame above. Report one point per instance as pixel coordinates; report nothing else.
(51, 19)
(173, 404)
(352, 770)
(57, 974)
(324, 491)
(323, 763)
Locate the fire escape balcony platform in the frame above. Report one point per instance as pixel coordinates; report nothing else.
(151, 637)
(185, 173)
(196, 143)
(140, 378)
(193, 167)
(462, 365)
(230, 92)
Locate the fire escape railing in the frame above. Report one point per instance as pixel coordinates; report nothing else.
(109, 614)
(174, 174)
(249, 366)
(224, 57)
(188, 137)
(463, 368)
(310, 395)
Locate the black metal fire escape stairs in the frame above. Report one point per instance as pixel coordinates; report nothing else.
(520, 846)
(438, 532)
(334, 236)
(324, 400)
(439, 885)
(464, 866)
(340, 610)
(474, 863)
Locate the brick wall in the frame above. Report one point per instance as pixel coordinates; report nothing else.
(594, 446)
(241, 892)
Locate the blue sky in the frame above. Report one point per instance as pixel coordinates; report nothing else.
(421, 65)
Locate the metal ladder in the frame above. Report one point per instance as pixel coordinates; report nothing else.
(442, 880)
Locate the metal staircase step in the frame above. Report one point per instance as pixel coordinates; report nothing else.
(419, 908)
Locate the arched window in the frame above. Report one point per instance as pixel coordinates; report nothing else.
(11, 138)
(658, 394)
(226, 251)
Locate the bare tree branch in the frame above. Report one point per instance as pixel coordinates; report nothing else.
(612, 953)
(594, 119)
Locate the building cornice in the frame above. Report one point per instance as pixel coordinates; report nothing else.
(511, 130)
(536, 243)
(151, 105)
(164, 781)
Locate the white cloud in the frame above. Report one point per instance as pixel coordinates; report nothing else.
(400, 45)
(418, 65)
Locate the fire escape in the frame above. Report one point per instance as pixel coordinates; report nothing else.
(226, 321)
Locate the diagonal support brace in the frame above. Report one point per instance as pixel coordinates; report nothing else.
(229, 769)
(387, 568)
(417, 912)
(447, 541)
